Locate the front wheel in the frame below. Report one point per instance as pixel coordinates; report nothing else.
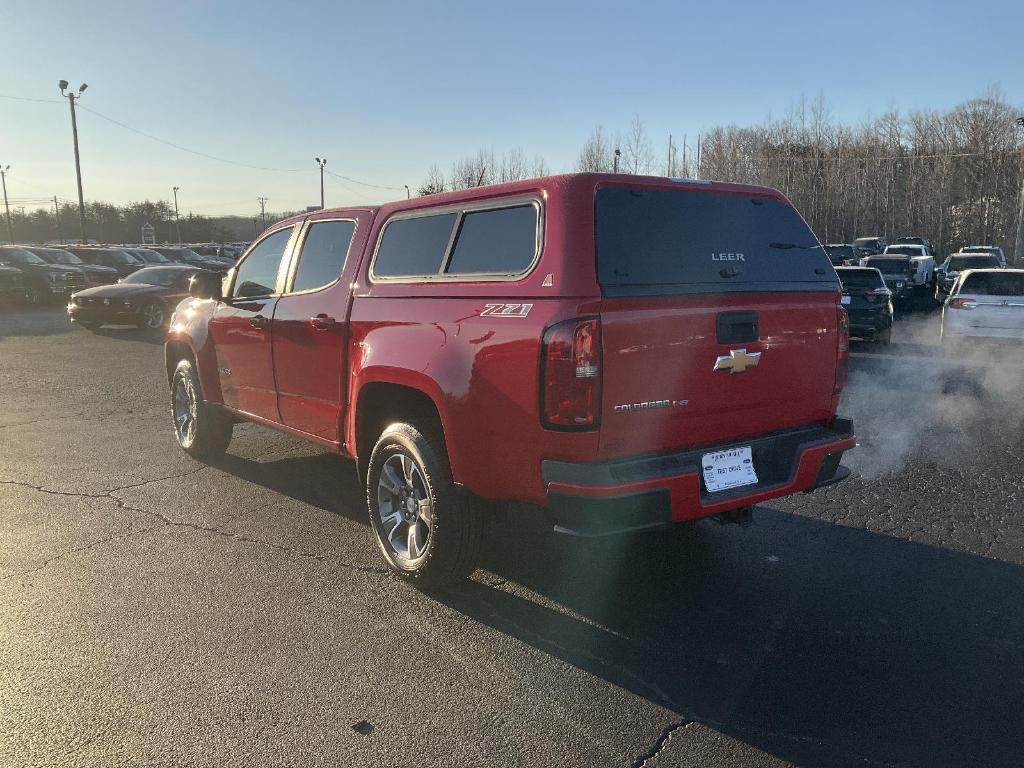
(153, 316)
(426, 532)
(203, 431)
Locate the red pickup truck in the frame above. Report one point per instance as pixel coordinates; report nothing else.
(626, 352)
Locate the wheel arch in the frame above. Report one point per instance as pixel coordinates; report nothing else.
(382, 401)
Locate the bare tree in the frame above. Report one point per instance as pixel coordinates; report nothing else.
(434, 182)
(639, 154)
(596, 155)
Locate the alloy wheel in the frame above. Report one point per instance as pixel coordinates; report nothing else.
(405, 508)
(185, 410)
(153, 315)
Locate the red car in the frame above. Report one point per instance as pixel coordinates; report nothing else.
(626, 352)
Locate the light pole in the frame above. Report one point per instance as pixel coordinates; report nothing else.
(177, 221)
(72, 98)
(408, 194)
(1018, 247)
(10, 227)
(255, 232)
(263, 209)
(618, 154)
(321, 163)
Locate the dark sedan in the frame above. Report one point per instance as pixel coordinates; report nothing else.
(145, 298)
(115, 258)
(868, 303)
(95, 274)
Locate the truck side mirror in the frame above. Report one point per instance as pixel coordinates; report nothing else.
(205, 285)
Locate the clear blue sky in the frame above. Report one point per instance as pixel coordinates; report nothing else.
(385, 89)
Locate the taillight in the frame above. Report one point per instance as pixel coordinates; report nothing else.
(963, 304)
(842, 349)
(571, 378)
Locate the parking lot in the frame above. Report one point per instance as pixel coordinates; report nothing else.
(154, 610)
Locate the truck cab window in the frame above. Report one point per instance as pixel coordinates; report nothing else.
(257, 275)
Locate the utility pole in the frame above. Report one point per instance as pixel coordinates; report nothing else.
(177, 220)
(72, 98)
(321, 163)
(263, 209)
(255, 232)
(10, 227)
(668, 166)
(56, 218)
(1018, 248)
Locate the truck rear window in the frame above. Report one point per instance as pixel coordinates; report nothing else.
(658, 241)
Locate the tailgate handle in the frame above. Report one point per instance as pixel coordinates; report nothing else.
(738, 327)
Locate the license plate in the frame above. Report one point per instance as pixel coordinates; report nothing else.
(846, 300)
(728, 469)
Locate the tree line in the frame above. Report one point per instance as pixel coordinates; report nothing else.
(108, 223)
(952, 176)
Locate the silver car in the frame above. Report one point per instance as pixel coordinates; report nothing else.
(985, 304)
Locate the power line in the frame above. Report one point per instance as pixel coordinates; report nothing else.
(151, 137)
(26, 98)
(363, 183)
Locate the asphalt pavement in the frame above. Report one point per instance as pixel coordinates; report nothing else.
(155, 611)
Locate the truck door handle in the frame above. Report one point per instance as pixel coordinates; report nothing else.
(258, 321)
(322, 322)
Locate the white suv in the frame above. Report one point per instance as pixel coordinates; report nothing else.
(985, 304)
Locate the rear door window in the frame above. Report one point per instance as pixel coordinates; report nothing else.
(323, 254)
(657, 241)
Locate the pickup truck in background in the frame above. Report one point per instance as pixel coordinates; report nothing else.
(625, 352)
(921, 260)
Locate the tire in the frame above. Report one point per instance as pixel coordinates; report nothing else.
(884, 337)
(154, 316)
(426, 531)
(34, 295)
(202, 430)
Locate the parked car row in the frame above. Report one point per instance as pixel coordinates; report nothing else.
(36, 275)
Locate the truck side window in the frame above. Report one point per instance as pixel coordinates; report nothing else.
(257, 274)
(414, 247)
(501, 241)
(323, 254)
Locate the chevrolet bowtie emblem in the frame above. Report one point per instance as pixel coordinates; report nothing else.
(737, 361)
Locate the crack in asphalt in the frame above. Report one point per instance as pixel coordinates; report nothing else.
(121, 504)
(75, 551)
(659, 744)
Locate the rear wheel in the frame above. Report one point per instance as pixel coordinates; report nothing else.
(202, 430)
(425, 530)
(884, 337)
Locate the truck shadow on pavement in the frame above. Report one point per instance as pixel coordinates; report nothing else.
(818, 643)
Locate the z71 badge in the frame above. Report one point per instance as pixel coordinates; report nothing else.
(506, 310)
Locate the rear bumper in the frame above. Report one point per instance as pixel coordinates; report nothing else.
(635, 494)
